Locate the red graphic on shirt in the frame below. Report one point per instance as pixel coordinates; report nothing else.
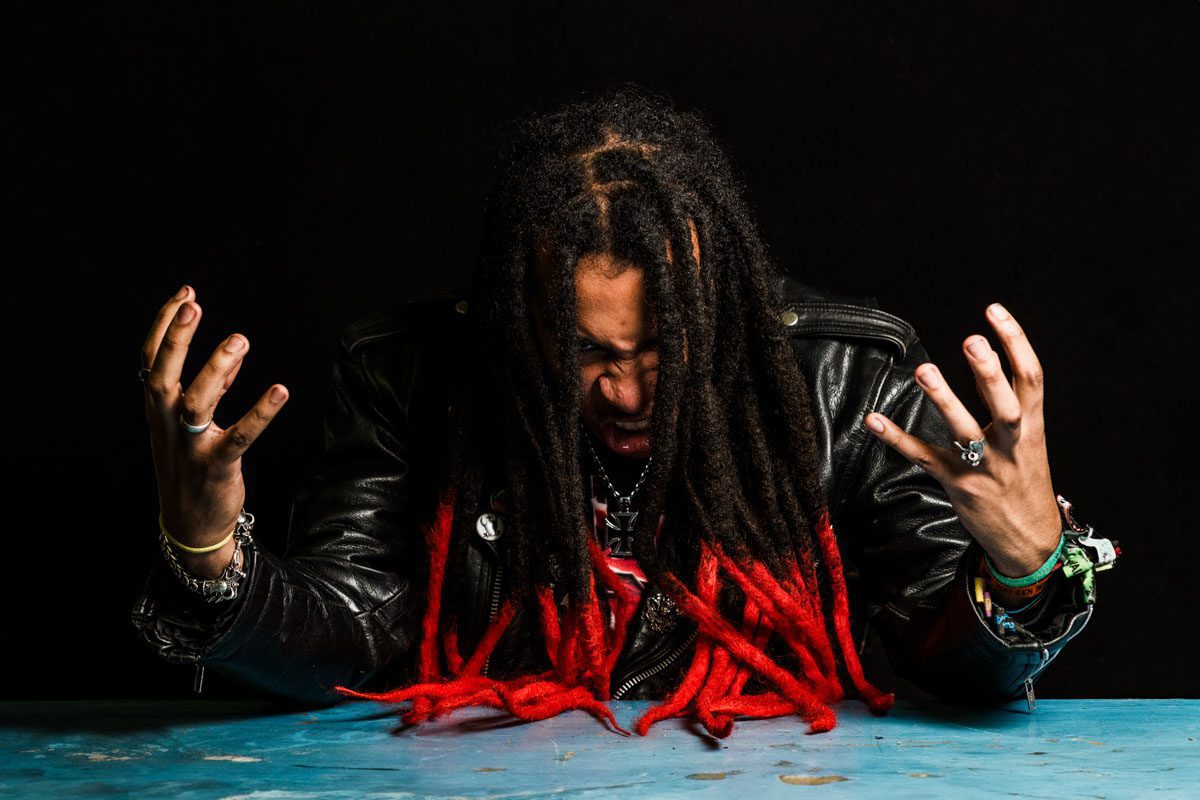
(617, 544)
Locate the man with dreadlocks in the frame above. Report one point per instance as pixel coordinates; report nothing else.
(632, 460)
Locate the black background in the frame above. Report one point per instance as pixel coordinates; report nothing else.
(302, 164)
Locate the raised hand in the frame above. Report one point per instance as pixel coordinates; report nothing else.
(1006, 502)
(200, 487)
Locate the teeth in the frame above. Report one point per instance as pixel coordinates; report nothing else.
(633, 426)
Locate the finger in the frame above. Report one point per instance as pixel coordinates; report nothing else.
(229, 378)
(161, 320)
(933, 460)
(199, 402)
(238, 437)
(163, 380)
(994, 388)
(1028, 378)
(962, 424)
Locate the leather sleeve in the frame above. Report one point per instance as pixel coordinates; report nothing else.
(342, 604)
(917, 563)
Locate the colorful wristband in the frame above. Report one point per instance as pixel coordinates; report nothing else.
(1010, 593)
(1037, 575)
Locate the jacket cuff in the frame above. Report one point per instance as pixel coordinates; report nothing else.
(181, 626)
(958, 653)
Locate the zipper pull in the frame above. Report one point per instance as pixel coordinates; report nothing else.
(1030, 698)
(198, 683)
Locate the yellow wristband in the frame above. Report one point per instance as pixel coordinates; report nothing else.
(184, 547)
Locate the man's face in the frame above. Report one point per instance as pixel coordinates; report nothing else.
(618, 350)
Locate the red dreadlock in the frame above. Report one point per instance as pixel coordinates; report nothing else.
(583, 650)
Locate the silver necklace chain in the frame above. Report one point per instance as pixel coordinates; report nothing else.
(623, 501)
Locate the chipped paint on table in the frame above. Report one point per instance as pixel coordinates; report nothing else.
(358, 749)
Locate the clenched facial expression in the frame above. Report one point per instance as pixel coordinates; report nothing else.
(617, 337)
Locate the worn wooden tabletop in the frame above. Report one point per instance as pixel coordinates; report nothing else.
(212, 749)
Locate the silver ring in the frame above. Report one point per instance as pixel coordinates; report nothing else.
(972, 453)
(143, 373)
(194, 428)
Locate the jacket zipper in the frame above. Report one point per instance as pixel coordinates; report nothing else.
(198, 681)
(1030, 697)
(494, 608)
(657, 668)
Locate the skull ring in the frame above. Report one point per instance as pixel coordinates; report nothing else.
(972, 453)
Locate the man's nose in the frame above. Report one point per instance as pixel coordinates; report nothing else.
(628, 388)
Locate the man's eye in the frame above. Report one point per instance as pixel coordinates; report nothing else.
(586, 346)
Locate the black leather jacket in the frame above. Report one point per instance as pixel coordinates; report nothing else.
(342, 606)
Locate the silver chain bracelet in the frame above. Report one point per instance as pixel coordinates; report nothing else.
(226, 585)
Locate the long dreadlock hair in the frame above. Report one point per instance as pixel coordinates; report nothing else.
(734, 454)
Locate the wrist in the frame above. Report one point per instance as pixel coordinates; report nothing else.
(215, 574)
(1017, 566)
(1038, 573)
(1012, 596)
(208, 566)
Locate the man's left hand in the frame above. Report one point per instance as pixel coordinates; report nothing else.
(1007, 501)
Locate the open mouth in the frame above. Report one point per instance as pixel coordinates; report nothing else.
(630, 439)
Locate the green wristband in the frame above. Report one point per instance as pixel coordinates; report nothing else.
(1033, 578)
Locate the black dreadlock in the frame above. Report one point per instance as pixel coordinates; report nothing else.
(734, 452)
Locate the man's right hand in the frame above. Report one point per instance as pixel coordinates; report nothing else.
(200, 487)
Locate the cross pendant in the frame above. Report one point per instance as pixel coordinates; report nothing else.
(620, 526)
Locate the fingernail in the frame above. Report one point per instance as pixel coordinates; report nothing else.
(234, 344)
(978, 348)
(182, 293)
(186, 312)
(928, 378)
(875, 424)
(277, 394)
(998, 311)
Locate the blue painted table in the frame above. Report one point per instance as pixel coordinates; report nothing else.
(207, 749)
